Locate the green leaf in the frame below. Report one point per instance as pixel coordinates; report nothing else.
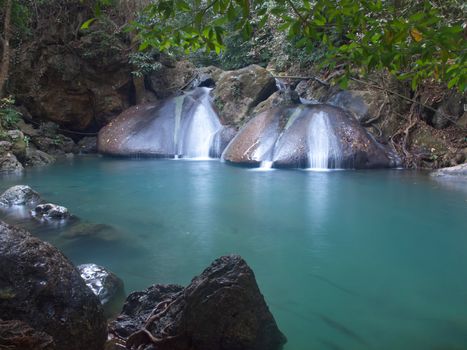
(86, 24)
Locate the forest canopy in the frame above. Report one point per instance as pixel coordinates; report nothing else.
(413, 40)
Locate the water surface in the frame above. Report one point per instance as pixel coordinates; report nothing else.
(345, 259)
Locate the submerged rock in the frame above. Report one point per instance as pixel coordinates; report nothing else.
(19, 195)
(104, 284)
(39, 286)
(184, 126)
(50, 211)
(81, 229)
(222, 309)
(307, 136)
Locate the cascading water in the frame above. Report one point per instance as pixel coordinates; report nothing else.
(181, 127)
(323, 147)
(199, 128)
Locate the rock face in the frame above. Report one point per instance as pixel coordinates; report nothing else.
(238, 92)
(184, 126)
(222, 309)
(458, 171)
(79, 85)
(104, 284)
(315, 136)
(39, 286)
(19, 195)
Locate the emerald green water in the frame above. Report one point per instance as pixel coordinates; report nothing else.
(345, 259)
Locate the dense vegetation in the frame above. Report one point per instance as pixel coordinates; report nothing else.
(414, 40)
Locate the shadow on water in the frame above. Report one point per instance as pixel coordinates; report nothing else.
(333, 284)
(342, 329)
(337, 326)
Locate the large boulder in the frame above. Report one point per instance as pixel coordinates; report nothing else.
(182, 126)
(39, 286)
(238, 92)
(19, 195)
(222, 309)
(105, 285)
(307, 136)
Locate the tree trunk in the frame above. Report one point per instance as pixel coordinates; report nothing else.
(5, 65)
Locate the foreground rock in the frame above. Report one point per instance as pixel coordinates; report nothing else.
(458, 171)
(221, 309)
(104, 284)
(40, 287)
(19, 195)
(18, 335)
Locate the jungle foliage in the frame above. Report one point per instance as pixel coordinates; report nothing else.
(413, 40)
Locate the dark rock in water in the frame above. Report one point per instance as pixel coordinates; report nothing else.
(18, 335)
(50, 211)
(39, 286)
(307, 136)
(10, 164)
(88, 145)
(19, 195)
(459, 171)
(183, 126)
(238, 92)
(56, 145)
(221, 309)
(35, 157)
(105, 285)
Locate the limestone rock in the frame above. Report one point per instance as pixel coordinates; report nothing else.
(40, 287)
(104, 284)
(222, 309)
(19, 195)
(238, 92)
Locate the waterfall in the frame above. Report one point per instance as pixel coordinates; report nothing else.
(199, 127)
(323, 147)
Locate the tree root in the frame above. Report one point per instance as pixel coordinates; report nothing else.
(400, 139)
(143, 337)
